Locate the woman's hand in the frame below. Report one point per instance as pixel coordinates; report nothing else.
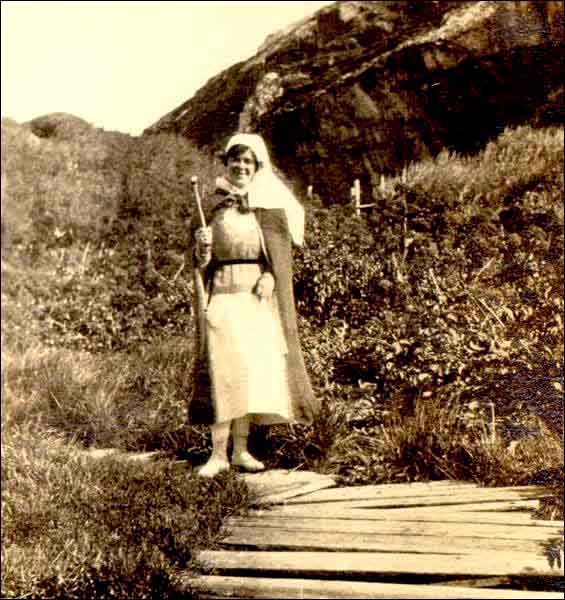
(265, 286)
(203, 249)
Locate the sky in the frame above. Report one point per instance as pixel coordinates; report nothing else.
(121, 65)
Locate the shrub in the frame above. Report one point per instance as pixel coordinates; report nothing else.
(55, 190)
(447, 292)
(337, 272)
(437, 293)
(103, 216)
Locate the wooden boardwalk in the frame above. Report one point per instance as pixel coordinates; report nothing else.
(306, 538)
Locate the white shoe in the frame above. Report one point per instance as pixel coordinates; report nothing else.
(213, 467)
(247, 462)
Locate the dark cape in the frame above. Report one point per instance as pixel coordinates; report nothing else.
(278, 245)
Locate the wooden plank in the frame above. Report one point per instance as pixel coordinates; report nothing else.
(524, 506)
(438, 513)
(448, 499)
(370, 492)
(280, 480)
(274, 478)
(369, 564)
(261, 587)
(515, 513)
(288, 538)
(283, 496)
(502, 517)
(484, 505)
(277, 485)
(424, 514)
(406, 528)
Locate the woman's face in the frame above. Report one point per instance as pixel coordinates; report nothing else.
(241, 168)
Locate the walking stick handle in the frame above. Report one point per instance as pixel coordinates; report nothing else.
(194, 182)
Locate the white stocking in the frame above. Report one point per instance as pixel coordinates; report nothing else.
(241, 456)
(218, 461)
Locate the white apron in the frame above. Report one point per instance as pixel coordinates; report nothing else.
(246, 345)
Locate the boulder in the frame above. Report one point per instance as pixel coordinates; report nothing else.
(362, 88)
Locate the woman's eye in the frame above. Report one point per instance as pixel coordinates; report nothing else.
(246, 161)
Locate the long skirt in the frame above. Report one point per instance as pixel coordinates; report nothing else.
(247, 359)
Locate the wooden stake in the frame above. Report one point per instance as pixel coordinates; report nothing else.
(356, 196)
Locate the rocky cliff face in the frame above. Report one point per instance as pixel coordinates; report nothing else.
(363, 88)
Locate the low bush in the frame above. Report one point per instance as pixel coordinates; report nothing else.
(439, 291)
(103, 217)
(446, 293)
(462, 443)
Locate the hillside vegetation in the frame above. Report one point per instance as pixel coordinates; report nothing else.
(432, 327)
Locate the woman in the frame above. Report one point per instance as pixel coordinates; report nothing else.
(249, 365)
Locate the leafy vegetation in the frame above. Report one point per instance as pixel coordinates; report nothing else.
(454, 281)
(100, 222)
(432, 327)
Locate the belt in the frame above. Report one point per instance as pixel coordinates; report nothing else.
(235, 261)
(239, 261)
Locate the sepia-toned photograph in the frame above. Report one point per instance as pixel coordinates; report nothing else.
(282, 299)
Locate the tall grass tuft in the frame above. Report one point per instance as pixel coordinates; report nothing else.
(461, 442)
(133, 401)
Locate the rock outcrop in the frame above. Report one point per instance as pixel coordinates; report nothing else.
(363, 88)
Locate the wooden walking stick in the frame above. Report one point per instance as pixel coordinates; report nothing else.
(201, 296)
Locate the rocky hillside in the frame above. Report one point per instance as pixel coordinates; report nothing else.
(363, 88)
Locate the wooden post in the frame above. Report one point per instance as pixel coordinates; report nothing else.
(354, 201)
(404, 175)
(356, 196)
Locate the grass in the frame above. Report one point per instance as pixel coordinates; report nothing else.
(77, 527)
(446, 442)
(361, 443)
